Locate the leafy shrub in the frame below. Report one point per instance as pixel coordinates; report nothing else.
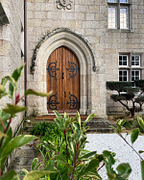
(7, 143)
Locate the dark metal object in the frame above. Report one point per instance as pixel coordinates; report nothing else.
(62, 75)
(73, 69)
(73, 102)
(3, 17)
(52, 102)
(25, 51)
(52, 69)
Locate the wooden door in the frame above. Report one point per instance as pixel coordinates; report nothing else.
(63, 78)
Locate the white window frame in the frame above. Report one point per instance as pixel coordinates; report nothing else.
(135, 71)
(122, 76)
(134, 61)
(122, 60)
(129, 68)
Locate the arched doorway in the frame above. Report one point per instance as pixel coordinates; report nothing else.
(80, 47)
(63, 78)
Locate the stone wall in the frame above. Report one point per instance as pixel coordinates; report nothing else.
(89, 19)
(10, 46)
(124, 41)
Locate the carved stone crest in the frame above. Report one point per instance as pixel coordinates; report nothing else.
(64, 4)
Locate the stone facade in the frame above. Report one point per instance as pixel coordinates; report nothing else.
(88, 21)
(10, 45)
(81, 26)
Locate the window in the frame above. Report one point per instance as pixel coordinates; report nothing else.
(129, 67)
(118, 14)
(123, 75)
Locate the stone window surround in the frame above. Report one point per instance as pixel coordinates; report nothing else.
(78, 45)
(118, 4)
(129, 67)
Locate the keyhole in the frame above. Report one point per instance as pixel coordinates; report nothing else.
(62, 75)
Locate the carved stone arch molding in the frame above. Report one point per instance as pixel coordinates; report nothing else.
(71, 40)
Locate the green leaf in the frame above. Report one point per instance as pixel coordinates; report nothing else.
(35, 175)
(6, 139)
(2, 135)
(90, 166)
(2, 91)
(60, 158)
(9, 78)
(16, 75)
(141, 152)
(34, 163)
(13, 109)
(88, 119)
(10, 175)
(141, 122)
(23, 172)
(13, 85)
(109, 161)
(32, 92)
(120, 123)
(13, 144)
(88, 155)
(59, 120)
(4, 116)
(124, 170)
(142, 169)
(79, 119)
(134, 135)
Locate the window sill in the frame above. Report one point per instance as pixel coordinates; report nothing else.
(120, 30)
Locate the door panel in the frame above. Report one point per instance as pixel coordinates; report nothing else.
(63, 77)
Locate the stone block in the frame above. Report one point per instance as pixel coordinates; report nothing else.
(91, 24)
(90, 16)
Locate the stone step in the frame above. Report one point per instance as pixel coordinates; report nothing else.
(23, 158)
(98, 125)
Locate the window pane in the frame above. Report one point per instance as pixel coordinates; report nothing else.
(112, 17)
(123, 1)
(135, 60)
(123, 75)
(112, 0)
(124, 17)
(123, 60)
(135, 75)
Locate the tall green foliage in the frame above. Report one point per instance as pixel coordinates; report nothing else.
(7, 143)
(72, 161)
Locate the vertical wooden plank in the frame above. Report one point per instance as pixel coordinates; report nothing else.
(66, 80)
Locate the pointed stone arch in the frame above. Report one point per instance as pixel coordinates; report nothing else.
(74, 42)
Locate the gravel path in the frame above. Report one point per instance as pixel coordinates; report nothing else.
(124, 154)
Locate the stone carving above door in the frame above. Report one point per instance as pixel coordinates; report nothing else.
(64, 4)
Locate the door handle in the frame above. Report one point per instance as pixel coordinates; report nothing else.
(62, 75)
(65, 94)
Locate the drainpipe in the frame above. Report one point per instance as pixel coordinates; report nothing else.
(25, 51)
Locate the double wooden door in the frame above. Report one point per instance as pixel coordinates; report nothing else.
(63, 78)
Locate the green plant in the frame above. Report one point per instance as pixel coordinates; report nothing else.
(47, 130)
(7, 142)
(134, 135)
(127, 94)
(77, 163)
(132, 124)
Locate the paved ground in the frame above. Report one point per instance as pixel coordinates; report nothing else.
(124, 154)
